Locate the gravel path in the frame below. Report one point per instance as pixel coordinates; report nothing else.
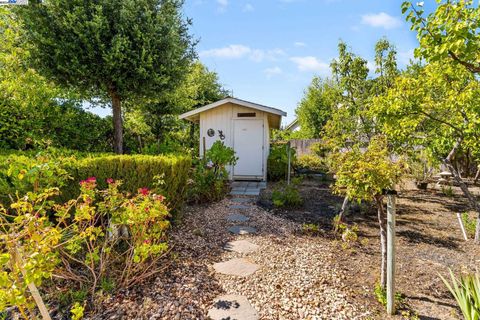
(295, 281)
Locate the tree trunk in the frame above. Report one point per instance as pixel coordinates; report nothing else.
(382, 222)
(477, 175)
(342, 212)
(117, 122)
(471, 198)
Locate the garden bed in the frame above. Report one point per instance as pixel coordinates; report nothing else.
(429, 242)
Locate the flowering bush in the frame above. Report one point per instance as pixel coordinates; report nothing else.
(113, 236)
(102, 237)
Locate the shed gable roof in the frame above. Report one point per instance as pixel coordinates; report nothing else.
(190, 114)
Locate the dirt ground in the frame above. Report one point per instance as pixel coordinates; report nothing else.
(429, 241)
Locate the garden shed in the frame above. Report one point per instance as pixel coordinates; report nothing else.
(242, 125)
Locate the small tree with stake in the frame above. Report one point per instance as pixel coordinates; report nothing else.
(120, 49)
(363, 175)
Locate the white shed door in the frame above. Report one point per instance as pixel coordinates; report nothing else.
(248, 142)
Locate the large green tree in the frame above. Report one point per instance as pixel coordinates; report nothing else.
(33, 111)
(116, 49)
(437, 108)
(450, 36)
(315, 108)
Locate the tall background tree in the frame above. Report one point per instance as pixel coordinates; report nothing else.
(315, 108)
(33, 111)
(116, 49)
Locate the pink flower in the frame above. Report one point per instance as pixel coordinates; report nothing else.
(91, 179)
(147, 241)
(159, 197)
(110, 181)
(144, 191)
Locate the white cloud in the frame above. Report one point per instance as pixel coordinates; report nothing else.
(248, 8)
(233, 51)
(222, 5)
(404, 57)
(371, 66)
(236, 51)
(270, 72)
(381, 20)
(310, 63)
(299, 44)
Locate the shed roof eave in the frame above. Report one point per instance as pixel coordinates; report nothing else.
(190, 114)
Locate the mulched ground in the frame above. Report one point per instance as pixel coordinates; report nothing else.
(429, 242)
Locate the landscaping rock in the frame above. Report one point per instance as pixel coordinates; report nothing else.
(242, 230)
(239, 207)
(237, 218)
(241, 246)
(236, 267)
(232, 307)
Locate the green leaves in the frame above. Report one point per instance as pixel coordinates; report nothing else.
(466, 291)
(451, 31)
(363, 174)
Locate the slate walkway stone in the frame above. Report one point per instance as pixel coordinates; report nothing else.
(242, 230)
(241, 200)
(236, 267)
(241, 246)
(232, 307)
(239, 206)
(237, 218)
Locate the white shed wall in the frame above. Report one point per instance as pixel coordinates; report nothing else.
(221, 118)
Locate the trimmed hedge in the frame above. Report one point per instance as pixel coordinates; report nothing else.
(136, 171)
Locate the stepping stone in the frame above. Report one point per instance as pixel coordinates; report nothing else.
(241, 200)
(239, 206)
(241, 246)
(236, 267)
(232, 307)
(237, 218)
(242, 230)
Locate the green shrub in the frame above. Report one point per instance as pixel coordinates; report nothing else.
(466, 291)
(311, 162)
(210, 174)
(287, 195)
(448, 191)
(135, 172)
(277, 164)
(470, 224)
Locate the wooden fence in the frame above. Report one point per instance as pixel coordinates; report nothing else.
(303, 146)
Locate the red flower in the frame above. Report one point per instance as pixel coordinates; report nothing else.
(147, 241)
(110, 181)
(144, 191)
(159, 197)
(147, 209)
(91, 179)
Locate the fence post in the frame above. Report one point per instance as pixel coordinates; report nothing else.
(289, 164)
(391, 195)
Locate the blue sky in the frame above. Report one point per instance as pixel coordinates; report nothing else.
(267, 51)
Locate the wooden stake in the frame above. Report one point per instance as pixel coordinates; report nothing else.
(32, 287)
(391, 254)
(460, 221)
